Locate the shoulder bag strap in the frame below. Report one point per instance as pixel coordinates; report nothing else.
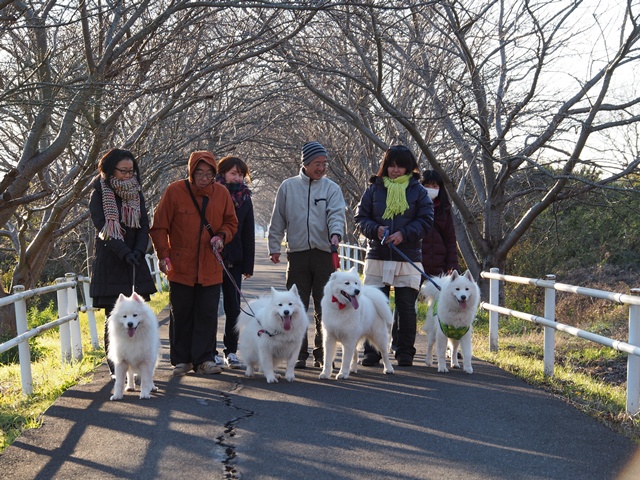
(203, 218)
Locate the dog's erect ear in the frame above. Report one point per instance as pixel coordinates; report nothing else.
(454, 275)
(468, 275)
(273, 291)
(122, 297)
(294, 289)
(353, 270)
(137, 297)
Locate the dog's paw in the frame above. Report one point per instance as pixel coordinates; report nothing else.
(469, 370)
(324, 375)
(130, 389)
(154, 388)
(272, 379)
(290, 378)
(144, 395)
(443, 369)
(388, 370)
(115, 397)
(342, 375)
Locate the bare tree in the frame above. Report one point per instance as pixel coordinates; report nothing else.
(488, 94)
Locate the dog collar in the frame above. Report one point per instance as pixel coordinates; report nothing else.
(340, 305)
(260, 332)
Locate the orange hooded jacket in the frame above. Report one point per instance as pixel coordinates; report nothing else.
(177, 231)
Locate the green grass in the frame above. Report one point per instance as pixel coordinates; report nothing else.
(587, 375)
(50, 376)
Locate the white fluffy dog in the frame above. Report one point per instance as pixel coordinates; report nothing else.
(352, 312)
(134, 344)
(272, 330)
(450, 317)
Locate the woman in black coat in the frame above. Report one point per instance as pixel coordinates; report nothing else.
(120, 217)
(396, 208)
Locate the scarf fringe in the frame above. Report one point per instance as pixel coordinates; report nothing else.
(111, 229)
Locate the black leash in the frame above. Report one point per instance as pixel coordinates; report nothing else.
(397, 250)
(221, 262)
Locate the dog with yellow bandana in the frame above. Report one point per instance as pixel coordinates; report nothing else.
(450, 318)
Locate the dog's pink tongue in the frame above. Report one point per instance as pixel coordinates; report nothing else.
(287, 322)
(131, 331)
(463, 304)
(354, 302)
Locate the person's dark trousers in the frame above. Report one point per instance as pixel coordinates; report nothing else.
(405, 299)
(107, 314)
(193, 323)
(231, 301)
(309, 271)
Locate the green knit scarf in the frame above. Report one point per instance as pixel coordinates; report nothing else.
(396, 196)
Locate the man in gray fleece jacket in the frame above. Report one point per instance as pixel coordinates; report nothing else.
(310, 208)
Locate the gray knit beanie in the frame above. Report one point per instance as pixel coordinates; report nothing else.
(311, 150)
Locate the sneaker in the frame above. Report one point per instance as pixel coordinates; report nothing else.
(181, 369)
(317, 363)
(370, 360)
(219, 360)
(301, 364)
(208, 368)
(232, 361)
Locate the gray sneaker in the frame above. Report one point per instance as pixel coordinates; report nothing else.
(218, 360)
(232, 361)
(208, 368)
(181, 369)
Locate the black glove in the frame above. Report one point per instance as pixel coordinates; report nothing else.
(138, 255)
(130, 258)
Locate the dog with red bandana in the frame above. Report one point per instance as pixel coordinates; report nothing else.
(351, 313)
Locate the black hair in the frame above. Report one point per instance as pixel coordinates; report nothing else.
(400, 156)
(109, 160)
(430, 176)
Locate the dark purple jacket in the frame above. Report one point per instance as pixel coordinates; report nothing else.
(439, 247)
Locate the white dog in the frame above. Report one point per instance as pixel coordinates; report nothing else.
(352, 312)
(450, 317)
(134, 344)
(272, 330)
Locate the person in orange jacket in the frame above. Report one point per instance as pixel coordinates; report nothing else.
(185, 247)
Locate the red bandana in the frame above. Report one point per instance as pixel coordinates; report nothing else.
(340, 305)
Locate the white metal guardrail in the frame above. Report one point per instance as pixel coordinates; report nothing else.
(548, 321)
(67, 321)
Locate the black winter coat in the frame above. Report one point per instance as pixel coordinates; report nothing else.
(242, 249)
(414, 223)
(111, 275)
(439, 247)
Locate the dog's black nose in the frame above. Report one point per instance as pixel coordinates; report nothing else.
(356, 292)
(286, 312)
(130, 324)
(463, 297)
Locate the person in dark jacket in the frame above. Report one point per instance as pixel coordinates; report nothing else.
(239, 254)
(118, 212)
(395, 207)
(439, 246)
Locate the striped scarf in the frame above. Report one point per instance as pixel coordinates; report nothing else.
(396, 196)
(239, 191)
(129, 191)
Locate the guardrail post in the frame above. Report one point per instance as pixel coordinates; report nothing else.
(24, 352)
(633, 362)
(65, 331)
(494, 299)
(549, 333)
(91, 314)
(76, 336)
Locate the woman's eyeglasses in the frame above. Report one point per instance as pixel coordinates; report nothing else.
(208, 175)
(125, 172)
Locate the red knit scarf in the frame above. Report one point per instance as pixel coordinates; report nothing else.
(129, 191)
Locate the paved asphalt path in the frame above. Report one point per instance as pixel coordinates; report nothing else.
(415, 424)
